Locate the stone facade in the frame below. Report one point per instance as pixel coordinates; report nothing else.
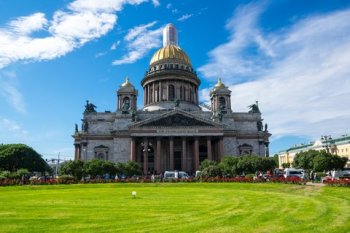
(171, 131)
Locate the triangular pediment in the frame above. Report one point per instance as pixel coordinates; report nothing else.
(177, 118)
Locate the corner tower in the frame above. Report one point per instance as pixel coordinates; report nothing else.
(170, 79)
(127, 97)
(220, 98)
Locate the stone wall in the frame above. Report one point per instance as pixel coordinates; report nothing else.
(89, 152)
(122, 150)
(230, 146)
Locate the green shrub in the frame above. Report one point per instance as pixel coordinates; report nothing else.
(211, 171)
(6, 174)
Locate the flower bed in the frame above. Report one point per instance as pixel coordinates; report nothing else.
(71, 180)
(338, 183)
(288, 180)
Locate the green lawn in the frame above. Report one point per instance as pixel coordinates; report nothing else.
(198, 207)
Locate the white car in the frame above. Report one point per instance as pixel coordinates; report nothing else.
(293, 172)
(168, 175)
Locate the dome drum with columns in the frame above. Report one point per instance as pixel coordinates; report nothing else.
(171, 131)
(170, 77)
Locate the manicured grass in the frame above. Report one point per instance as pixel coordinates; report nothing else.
(195, 207)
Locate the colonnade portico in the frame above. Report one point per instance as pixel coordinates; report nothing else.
(158, 154)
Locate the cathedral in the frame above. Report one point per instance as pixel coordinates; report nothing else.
(172, 131)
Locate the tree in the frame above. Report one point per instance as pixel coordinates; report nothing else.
(211, 171)
(286, 165)
(132, 168)
(120, 168)
(109, 168)
(231, 166)
(305, 159)
(94, 168)
(266, 164)
(16, 156)
(206, 163)
(73, 168)
(325, 161)
(275, 157)
(248, 164)
(98, 167)
(228, 166)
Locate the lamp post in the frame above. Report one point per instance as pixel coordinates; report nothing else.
(145, 149)
(57, 161)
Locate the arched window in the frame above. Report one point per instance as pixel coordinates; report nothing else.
(181, 94)
(191, 95)
(101, 156)
(222, 103)
(171, 92)
(126, 103)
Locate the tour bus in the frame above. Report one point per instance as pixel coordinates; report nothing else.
(293, 172)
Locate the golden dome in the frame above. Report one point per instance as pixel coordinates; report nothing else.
(127, 83)
(170, 52)
(219, 85)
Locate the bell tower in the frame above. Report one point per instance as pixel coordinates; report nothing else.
(127, 97)
(220, 98)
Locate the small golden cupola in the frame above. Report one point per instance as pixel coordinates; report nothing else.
(126, 97)
(220, 98)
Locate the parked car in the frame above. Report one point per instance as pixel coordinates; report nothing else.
(293, 172)
(169, 175)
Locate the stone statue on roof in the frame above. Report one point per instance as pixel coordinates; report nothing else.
(254, 108)
(89, 107)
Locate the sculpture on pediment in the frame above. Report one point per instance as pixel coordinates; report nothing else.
(177, 120)
(266, 127)
(89, 107)
(76, 128)
(254, 108)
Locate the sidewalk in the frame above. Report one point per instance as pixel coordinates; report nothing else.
(315, 184)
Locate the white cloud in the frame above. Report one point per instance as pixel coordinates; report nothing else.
(12, 127)
(10, 92)
(230, 59)
(109, 6)
(169, 6)
(69, 26)
(28, 24)
(140, 40)
(115, 45)
(300, 75)
(184, 17)
(81, 22)
(155, 3)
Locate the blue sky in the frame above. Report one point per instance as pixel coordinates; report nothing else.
(291, 56)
